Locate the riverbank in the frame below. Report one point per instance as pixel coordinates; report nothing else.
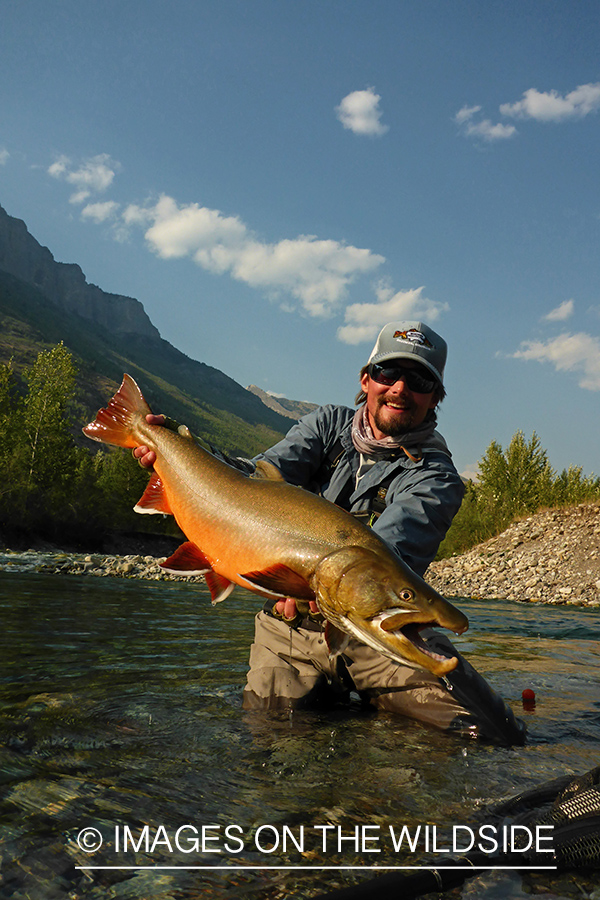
(54, 562)
(551, 557)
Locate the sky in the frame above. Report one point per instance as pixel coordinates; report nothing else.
(277, 180)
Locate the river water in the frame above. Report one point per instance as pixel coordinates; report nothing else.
(121, 723)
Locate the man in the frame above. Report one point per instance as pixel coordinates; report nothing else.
(387, 464)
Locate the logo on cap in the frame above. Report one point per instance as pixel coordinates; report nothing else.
(414, 337)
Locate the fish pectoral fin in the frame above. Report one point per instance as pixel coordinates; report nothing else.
(219, 586)
(154, 499)
(337, 640)
(281, 581)
(187, 560)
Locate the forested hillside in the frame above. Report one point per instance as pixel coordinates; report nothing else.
(43, 302)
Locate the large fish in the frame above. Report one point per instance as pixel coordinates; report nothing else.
(279, 540)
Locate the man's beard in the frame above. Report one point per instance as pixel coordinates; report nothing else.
(390, 427)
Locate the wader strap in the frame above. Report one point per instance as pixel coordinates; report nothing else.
(376, 504)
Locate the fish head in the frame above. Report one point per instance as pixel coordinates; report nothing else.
(381, 602)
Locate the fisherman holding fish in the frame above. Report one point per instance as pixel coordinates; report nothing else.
(387, 465)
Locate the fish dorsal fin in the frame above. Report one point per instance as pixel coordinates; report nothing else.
(153, 500)
(336, 640)
(281, 581)
(187, 560)
(219, 587)
(267, 471)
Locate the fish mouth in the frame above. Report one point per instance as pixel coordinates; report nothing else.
(397, 634)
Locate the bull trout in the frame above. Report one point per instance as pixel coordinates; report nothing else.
(279, 540)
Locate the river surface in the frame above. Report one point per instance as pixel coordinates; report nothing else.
(121, 723)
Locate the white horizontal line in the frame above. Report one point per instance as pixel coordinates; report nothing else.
(335, 868)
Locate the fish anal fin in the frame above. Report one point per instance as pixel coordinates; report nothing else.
(281, 581)
(154, 500)
(336, 639)
(188, 559)
(219, 586)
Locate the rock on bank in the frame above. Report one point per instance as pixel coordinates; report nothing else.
(550, 557)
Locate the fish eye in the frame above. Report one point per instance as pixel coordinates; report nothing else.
(406, 595)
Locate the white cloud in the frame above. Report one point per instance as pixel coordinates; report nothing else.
(4, 156)
(483, 129)
(543, 106)
(466, 114)
(471, 472)
(489, 132)
(92, 176)
(137, 215)
(561, 313)
(550, 106)
(363, 321)
(302, 272)
(568, 352)
(100, 212)
(192, 230)
(360, 113)
(315, 272)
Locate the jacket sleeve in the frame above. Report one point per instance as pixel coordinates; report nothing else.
(300, 455)
(421, 504)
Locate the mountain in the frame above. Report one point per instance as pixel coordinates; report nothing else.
(43, 302)
(292, 409)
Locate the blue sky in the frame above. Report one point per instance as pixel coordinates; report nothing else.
(277, 180)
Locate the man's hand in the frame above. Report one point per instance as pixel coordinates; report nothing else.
(143, 454)
(288, 611)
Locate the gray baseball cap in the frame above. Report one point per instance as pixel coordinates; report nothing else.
(411, 340)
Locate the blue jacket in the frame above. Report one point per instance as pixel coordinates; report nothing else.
(422, 497)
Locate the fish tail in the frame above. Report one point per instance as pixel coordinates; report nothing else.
(116, 423)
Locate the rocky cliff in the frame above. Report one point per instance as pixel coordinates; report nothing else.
(291, 409)
(43, 302)
(64, 284)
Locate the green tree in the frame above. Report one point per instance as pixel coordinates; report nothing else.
(512, 483)
(121, 481)
(49, 454)
(7, 389)
(49, 486)
(516, 481)
(471, 525)
(11, 428)
(571, 487)
(39, 461)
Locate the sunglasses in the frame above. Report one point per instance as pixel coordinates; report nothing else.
(415, 379)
